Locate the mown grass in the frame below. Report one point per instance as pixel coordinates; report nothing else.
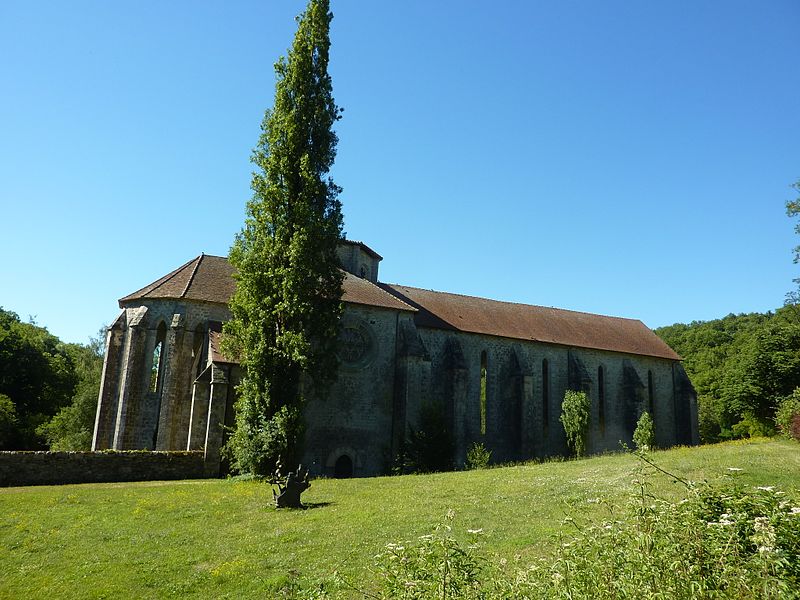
(223, 539)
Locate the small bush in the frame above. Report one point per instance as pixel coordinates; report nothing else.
(575, 419)
(645, 436)
(259, 442)
(787, 417)
(429, 448)
(478, 456)
(752, 426)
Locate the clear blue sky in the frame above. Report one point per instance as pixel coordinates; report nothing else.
(625, 158)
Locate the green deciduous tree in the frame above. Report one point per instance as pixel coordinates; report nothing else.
(287, 305)
(575, 419)
(8, 420)
(36, 375)
(72, 427)
(793, 210)
(741, 366)
(787, 416)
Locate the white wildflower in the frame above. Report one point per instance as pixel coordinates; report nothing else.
(593, 501)
(766, 488)
(795, 510)
(761, 524)
(735, 469)
(764, 535)
(475, 531)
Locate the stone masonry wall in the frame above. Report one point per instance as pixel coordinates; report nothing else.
(355, 417)
(53, 468)
(130, 416)
(515, 425)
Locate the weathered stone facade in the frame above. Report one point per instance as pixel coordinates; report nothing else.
(165, 385)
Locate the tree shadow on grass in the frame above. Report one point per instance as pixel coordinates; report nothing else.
(305, 506)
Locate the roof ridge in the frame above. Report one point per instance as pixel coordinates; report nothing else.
(198, 260)
(158, 282)
(577, 312)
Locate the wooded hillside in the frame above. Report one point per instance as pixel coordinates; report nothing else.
(742, 366)
(48, 388)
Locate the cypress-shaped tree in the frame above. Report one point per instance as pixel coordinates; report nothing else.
(287, 304)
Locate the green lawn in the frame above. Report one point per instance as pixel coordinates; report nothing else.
(222, 538)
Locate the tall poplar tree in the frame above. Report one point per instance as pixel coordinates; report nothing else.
(287, 304)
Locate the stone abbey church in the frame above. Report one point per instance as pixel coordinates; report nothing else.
(498, 371)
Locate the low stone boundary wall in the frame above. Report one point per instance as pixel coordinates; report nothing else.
(52, 468)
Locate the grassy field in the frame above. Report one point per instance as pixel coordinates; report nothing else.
(222, 538)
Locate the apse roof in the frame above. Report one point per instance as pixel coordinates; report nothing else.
(206, 278)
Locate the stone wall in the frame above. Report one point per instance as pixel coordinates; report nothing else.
(355, 417)
(53, 468)
(519, 426)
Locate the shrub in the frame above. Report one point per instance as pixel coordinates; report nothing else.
(787, 417)
(478, 456)
(645, 436)
(259, 443)
(575, 419)
(8, 419)
(752, 426)
(429, 448)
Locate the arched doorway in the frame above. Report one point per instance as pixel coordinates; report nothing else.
(343, 467)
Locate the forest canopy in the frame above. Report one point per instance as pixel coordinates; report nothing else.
(742, 367)
(48, 388)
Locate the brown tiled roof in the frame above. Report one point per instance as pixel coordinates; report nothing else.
(210, 279)
(363, 291)
(206, 278)
(441, 310)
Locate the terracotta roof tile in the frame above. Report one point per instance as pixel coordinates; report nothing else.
(206, 278)
(441, 310)
(363, 291)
